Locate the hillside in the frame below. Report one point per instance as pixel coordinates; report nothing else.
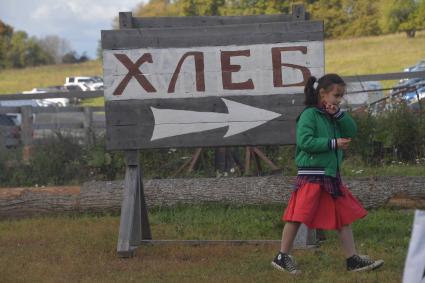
(365, 55)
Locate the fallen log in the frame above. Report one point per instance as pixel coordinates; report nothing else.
(103, 197)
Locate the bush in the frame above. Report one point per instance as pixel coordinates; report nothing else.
(393, 135)
(397, 135)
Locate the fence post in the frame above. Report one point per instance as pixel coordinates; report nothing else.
(27, 121)
(88, 121)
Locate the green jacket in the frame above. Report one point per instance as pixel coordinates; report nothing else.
(317, 131)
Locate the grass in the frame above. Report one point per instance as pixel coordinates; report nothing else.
(82, 248)
(364, 55)
(374, 54)
(18, 80)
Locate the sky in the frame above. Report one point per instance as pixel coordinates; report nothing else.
(78, 21)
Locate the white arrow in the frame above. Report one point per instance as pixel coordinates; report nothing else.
(240, 118)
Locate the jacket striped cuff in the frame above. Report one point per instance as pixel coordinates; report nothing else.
(338, 115)
(311, 171)
(332, 144)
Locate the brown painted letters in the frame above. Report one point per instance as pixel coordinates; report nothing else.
(227, 69)
(277, 66)
(134, 71)
(199, 68)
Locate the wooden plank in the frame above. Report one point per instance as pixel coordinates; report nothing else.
(214, 71)
(131, 124)
(211, 242)
(57, 126)
(87, 124)
(146, 233)
(384, 77)
(54, 109)
(5, 110)
(213, 35)
(27, 125)
(130, 228)
(200, 21)
(71, 94)
(125, 20)
(298, 12)
(98, 124)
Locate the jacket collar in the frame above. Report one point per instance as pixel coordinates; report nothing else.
(320, 109)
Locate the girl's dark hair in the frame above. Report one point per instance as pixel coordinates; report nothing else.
(325, 82)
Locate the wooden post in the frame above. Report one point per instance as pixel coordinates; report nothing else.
(125, 20)
(26, 131)
(220, 159)
(305, 237)
(298, 13)
(134, 222)
(88, 121)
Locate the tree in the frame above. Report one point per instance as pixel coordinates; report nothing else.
(256, 7)
(73, 58)
(156, 8)
(398, 15)
(200, 8)
(6, 33)
(70, 58)
(17, 50)
(83, 58)
(415, 20)
(25, 52)
(363, 18)
(55, 46)
(35, 55)
(334, 15)
(15, 56)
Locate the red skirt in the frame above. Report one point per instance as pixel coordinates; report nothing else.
(317, 209)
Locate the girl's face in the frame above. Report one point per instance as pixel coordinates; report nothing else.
(333, 97)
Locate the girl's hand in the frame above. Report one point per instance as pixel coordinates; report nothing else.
(343, 143)
(331, 108)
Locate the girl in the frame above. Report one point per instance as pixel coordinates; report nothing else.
(320, 200)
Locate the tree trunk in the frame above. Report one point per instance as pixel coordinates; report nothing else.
(102, 197)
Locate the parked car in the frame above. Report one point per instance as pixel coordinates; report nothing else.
(17, 117)
(9, 131)
(411, 97)
(361, 93)
(60, 101)
(85, 83)
(419, 66)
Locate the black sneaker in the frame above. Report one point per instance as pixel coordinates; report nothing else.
(285, 262)
(362, 263)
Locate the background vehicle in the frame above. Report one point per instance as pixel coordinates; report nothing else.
(85, 83)
(419, 66)
(9, 132)
(411, 97)
(361, 93)
(61, 102)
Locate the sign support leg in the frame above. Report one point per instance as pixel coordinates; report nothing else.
(305, 237)
(134, 222)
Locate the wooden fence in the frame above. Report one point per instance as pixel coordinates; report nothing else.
(89, 120)
(37, 123)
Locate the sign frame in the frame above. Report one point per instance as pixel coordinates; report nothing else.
(126, 123)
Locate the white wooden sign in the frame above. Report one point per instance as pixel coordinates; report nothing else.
(259, 69)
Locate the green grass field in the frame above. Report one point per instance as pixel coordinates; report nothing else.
(82, 248)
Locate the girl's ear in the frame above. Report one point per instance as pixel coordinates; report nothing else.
(321, 93)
